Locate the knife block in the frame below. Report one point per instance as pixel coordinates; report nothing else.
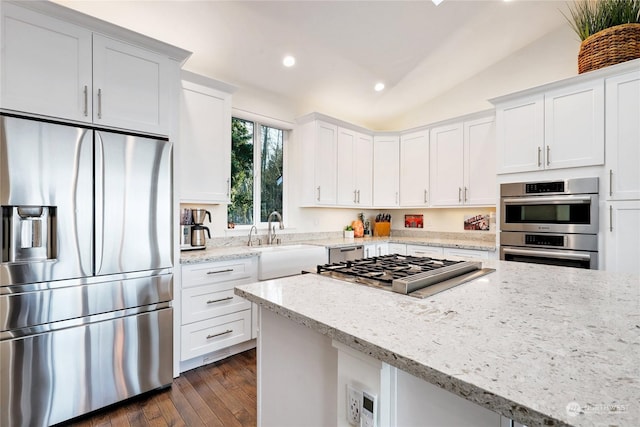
(382, 229)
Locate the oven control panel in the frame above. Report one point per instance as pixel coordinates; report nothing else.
(544, 240)
(544, 187)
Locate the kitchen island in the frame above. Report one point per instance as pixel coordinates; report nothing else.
(541, 345)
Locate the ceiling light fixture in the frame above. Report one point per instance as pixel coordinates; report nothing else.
(378, 87)
(289, 61)
(437, 2)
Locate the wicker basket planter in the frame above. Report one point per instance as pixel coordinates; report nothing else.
(608, 47)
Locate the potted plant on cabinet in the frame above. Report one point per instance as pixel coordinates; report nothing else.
(609, 30)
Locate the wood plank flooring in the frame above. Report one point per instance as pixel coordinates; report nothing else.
(219, 394)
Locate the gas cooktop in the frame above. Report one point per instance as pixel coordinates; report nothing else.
(419, 277)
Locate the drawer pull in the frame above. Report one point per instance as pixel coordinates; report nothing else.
(219, 300)
(228, 270)
(228, 331)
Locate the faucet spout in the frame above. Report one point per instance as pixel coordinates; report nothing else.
(250, 242)
(271, 233)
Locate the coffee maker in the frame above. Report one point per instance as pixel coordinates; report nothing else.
(192, 231)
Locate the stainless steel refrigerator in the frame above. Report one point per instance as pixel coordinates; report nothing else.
(86, 269)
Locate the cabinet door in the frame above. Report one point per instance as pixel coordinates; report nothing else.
(130, 86)
(45, 65)
(205, 144)
(466, 253)
(386, 170)
(574, 126)
(520, 135)
(427, 251)
(479, 162)
(414, 169)
(446, 165)
(346, 191)
(623, 136)
(363, 167)
(325, 163)
(622, 237)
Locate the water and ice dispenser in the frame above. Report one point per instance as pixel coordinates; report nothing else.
(28, 233)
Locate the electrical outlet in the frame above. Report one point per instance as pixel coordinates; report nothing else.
(354, 405)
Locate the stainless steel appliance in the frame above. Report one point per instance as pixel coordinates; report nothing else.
(194, 234)
(346, 253)
(86, 270)
(419, 277)
(550, 222)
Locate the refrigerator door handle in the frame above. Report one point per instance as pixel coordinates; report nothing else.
(99, 202)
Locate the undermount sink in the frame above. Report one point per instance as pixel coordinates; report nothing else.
(288, 260)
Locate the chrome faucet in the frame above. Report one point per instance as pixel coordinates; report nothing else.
(250, 243)
(271, 233)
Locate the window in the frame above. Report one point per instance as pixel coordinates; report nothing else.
(256, 172)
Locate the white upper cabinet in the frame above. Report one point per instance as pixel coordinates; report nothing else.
(354, 168)
(386, 170)
(462, 164)
(414, 169)
(318, 167)
(446, 166)
(574, 126)
(479, 162)
(205, 144)
(45, 65)
(520, 134)
(130, 86)
(51, 67)
(623, 137)
(554, 129)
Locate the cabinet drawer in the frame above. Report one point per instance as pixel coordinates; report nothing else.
(219, 272)
(211, 335)
(419, 250)
(466, 253)
(205, 302)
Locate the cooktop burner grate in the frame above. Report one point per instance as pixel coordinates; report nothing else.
(404, 273)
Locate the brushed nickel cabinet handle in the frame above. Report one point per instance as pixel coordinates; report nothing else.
(425, 196)
(610, 217)
(548, 155)
(465, 194)
(459, 194)
(610, 182)
(355, 196)
(86, 101)
(220, 271)
(358, 196)
(99, 103)
(539, 154)
(318, 193)
(228, 331)
(219, 300)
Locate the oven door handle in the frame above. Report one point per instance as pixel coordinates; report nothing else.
(549, 254)
(570, 200)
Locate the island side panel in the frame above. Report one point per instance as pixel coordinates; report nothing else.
(297, 379)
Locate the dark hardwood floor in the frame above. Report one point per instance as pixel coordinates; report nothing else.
(219, 394)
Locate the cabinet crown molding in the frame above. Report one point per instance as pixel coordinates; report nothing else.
(105, 28)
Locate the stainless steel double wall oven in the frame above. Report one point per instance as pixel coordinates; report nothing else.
(550, 222)
(86, 269)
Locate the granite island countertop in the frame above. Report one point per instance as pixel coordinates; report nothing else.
(543, 345)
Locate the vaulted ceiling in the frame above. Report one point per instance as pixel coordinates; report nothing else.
(342, 48)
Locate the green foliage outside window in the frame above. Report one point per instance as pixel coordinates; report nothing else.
(240, 210)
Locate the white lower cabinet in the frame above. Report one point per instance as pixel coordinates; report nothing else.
(420, 250)
(466, 253)
(214, 319)
(377, 249)
(398, 248)
(622, 237)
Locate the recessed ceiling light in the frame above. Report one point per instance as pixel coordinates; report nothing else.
(378, 87)
(289, 61)
(437, 2)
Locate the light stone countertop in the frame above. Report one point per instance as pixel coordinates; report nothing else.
(531, 342)
(223, 253)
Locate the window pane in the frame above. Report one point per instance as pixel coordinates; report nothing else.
(271, 171)
(240, 211)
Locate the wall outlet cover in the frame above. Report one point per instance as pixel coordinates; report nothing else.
(354, 405)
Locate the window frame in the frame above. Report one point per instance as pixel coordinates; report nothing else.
(286, 127)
